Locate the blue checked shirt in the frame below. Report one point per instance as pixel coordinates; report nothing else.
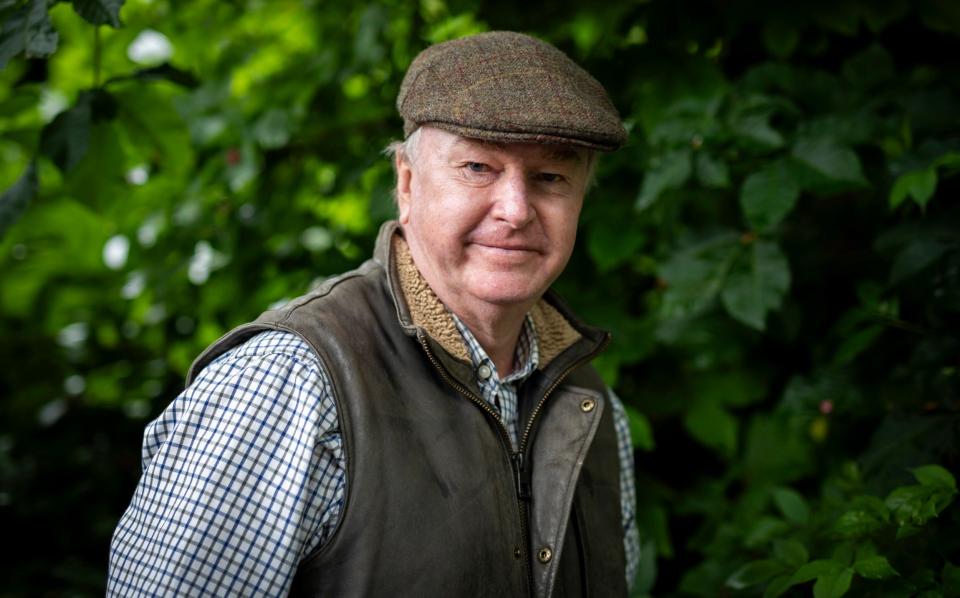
(244, 473)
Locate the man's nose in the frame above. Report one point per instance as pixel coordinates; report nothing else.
(512, 201)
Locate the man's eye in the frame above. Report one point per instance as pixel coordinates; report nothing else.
(477, 167)
(550, 177)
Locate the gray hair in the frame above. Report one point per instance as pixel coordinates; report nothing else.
(406, 150)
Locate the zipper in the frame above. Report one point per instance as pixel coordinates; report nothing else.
(521, 474)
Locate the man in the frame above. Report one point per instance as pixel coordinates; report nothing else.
(426, 425)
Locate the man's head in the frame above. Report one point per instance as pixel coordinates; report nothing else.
(501, 131)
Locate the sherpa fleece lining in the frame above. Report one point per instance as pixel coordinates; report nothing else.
(554, 332)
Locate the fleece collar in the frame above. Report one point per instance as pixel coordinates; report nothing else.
(424, 310)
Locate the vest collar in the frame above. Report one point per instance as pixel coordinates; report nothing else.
(419, 308)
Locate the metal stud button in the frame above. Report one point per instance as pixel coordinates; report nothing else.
(516, 553)
(587, 405)
(545, 554)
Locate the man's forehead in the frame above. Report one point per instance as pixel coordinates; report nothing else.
(554, 152)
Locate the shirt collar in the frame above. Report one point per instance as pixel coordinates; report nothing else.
(525, 360)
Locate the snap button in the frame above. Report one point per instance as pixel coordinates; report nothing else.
(516, 553)
(484, 372)
(587, 405)
(545, 554)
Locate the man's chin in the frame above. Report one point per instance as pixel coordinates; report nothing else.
(508, 291)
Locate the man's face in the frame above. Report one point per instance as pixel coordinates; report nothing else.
(490, 223)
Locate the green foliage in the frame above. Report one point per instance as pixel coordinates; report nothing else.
(776, 252)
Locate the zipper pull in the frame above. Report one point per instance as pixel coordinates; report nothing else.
(521, 477)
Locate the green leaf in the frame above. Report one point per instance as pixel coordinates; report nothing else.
(67, 139)
(711, 172)
(917, 184)
(791, 552)
(641, 432)
(816, 569)
(792, 505)
(916, 256)
(767, 196)
(833, 585)
(853, 524)
(669, 171)
(857, 343)
(757, 288)
(713, 426)
(777, 586)
(874, 567)
(14, 200)
(756, 129)
(754, 573)
(829, 159)
(763, 530)
(935, 476)
(29, 31)
(695, 275)
(99, 12)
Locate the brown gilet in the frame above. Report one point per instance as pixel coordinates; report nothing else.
(438, 501)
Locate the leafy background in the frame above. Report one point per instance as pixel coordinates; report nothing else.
(775, 251)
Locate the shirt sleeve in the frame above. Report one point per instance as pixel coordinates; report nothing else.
(243, 475)
(628, 488)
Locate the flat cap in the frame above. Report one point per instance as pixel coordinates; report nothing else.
(506, 86)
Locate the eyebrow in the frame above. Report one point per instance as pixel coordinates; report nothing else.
(552, 152)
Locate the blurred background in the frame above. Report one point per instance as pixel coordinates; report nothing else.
(776, 251)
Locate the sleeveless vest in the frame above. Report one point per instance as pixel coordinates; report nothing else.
(438, 500)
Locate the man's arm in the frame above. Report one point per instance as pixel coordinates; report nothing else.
(628, 488)
(243, 475)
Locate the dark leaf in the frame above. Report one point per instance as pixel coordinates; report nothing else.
(757, 287)
(936, 477)
(667, 172)
(768, 196)
(67, 139)
(792, 505)
(754, 573)
(14, 200)
(99, 12)
(874, 567)
(835, 162)
(833, 584)
(28, 31)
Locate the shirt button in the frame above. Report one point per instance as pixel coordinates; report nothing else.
(544, 554)
(484, 372)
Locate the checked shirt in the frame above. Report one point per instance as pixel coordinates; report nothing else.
(244, 473)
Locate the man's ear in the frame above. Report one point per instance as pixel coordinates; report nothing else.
(404, 177)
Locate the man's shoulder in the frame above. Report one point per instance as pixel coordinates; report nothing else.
(270, 344)
(329, 292)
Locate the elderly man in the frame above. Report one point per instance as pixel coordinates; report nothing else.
(428, 424)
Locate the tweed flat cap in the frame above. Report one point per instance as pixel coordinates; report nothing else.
(506, 86)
